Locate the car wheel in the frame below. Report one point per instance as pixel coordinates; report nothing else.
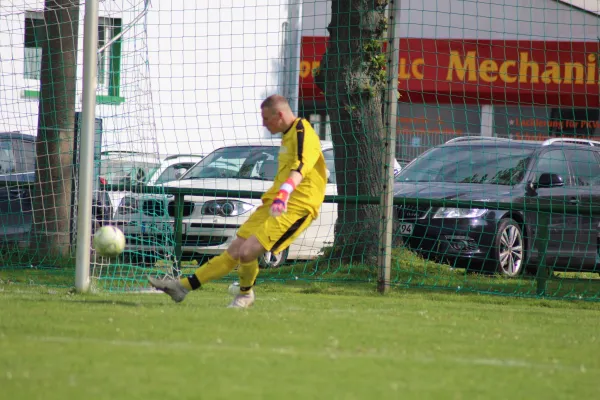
(509, 248)
(270, 260)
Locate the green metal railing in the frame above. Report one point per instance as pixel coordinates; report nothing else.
(544, 271)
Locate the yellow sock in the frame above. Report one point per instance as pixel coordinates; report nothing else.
(217, 267)
(247, 273)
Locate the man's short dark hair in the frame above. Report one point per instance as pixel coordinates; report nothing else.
(275, 101)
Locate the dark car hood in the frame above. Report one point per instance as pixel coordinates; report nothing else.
(453, 191)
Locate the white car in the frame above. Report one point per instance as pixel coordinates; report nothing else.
(210, 223)
(172, 168)
(127, 169)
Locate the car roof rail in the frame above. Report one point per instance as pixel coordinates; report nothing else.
(469, 138)
(588, 142)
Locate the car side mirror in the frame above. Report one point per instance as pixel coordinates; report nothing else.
(548, 180)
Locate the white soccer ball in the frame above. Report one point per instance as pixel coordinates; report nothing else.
(234, 289)
(109, 241)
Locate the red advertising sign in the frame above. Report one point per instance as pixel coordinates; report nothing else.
(483, 71)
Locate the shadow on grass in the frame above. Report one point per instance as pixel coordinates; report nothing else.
(109, 302)
(66, 299)
(47, 276)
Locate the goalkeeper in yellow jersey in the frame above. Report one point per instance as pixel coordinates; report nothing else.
(288, 208)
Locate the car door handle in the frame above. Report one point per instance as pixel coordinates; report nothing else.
(574, 200)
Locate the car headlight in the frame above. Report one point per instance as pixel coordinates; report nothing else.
(226, 208)
(446, 212)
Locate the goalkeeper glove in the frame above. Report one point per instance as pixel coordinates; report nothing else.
(279, 205)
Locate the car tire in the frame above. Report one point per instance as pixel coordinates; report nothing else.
(509, 248)
(598, 252)
(270, 260)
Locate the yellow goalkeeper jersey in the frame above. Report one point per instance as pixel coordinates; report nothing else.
(301, 151)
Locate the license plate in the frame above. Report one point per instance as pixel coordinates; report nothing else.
(406, 229)
(157, 227)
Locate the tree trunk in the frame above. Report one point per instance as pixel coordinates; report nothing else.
(56, 129)
(353, 78)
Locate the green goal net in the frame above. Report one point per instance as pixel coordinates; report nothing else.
(493, 128)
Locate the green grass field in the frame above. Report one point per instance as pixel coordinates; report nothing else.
(303, 341)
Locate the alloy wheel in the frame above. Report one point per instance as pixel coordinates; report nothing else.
(511, 250)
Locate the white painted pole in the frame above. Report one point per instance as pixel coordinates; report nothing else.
(387, 196)
(86, 150)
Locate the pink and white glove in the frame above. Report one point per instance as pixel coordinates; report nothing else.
(279, 205)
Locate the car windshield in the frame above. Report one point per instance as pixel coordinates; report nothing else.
(126, 172)
(242, 162)
(7, 161)
(469, 164)
(171, 173)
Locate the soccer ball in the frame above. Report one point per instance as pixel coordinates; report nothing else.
(109, 241)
